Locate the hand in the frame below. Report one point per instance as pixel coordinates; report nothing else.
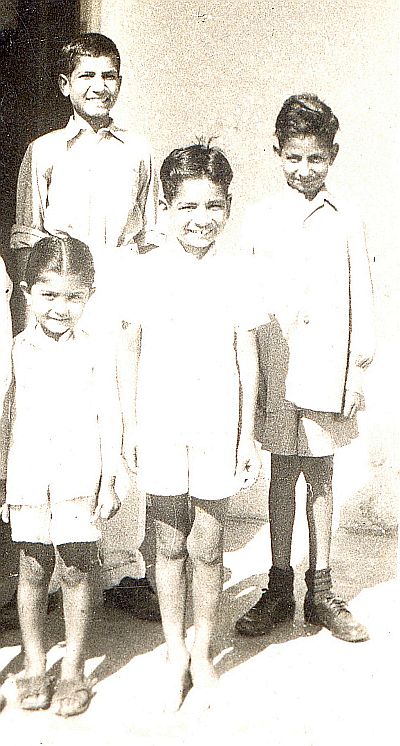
(352, 404)
(247, 462)
(108, 502)
(4, 508)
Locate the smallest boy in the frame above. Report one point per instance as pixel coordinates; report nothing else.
(312, 355)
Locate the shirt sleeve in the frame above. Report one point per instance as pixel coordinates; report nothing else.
(362, 337)
(147, 200)
(32, 190)
(5, 362)
(252, 295)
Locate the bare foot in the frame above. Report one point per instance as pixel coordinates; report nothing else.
(178, 683)
(203, 672)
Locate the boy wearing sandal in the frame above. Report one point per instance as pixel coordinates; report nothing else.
(65, 446)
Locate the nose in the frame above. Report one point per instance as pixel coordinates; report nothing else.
(201, 215)
(98, 84)
(303, 168)
(60, 306)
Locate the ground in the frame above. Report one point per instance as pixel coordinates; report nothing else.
(298, 687)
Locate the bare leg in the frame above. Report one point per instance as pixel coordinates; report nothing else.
(318, 474)
(35, 570)
(76, 567)
(205, 546)
(172, 526)
(285, 471)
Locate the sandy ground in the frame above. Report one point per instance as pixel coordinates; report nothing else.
(298, 687)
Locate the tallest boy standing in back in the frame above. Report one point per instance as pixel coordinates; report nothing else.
(92, 180)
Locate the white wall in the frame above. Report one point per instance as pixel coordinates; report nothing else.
(223, 68)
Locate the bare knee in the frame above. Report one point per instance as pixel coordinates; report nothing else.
(170, 543)
(36, 565)
(204, 547)
(77, 562)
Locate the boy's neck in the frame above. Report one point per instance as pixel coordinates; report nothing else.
(92, 123)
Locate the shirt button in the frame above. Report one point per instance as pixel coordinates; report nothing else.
(306, 320)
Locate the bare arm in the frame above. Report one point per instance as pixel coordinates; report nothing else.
(247, 359)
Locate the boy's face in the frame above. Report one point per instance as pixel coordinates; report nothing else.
(57, 301)
(198, 214)
(305, 162)
(93, 88)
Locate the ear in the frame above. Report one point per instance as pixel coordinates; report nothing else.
(25, 291)
(64, 86)
(276, 147)
(91, 291)
(333, 153)
(163, 204)
(229, 204)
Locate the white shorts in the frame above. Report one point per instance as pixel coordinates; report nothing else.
(65, 522)
(204, 473)
(302, 432)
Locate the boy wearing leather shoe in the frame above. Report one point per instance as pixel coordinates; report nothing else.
(311, 356)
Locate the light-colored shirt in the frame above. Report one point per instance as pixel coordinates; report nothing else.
(189, 311)
(99, 187)
(65, 418)
(319, 287)
(5, 360)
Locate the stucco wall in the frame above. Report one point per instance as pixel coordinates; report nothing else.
(223, 68)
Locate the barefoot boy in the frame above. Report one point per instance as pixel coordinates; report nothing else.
(194, 319)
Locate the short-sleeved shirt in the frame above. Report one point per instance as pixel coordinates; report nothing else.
(317, 271)
(189, 311)
(99, 187)
(58, 397)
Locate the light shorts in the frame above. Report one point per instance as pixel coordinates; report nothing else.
(203, 473)
(302, 432)
(64, 522)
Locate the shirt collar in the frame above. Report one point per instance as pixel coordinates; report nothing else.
(35, 335)
(174, 247)
(76, 125)
(305, 208)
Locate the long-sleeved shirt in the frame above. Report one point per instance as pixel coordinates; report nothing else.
(99, 187)
(316, 268)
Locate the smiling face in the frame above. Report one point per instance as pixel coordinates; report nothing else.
(197, 214)
(305, 162)
(93, 88)
(57, 301)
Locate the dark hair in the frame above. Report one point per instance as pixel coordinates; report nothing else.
(306, 115)
(63, 255)
(194, 162)
(86, 45)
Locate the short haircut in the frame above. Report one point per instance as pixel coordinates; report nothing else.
(60, 254)
(306, 115)
(194, 162)
(87, 45)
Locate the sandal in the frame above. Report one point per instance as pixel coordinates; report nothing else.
(34, 692)
(72, 697)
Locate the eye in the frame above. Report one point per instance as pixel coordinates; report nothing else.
(110, 76)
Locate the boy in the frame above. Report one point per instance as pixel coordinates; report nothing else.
(311, 357)
(96, 182)
(196, 350)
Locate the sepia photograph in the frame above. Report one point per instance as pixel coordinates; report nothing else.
(199, 245)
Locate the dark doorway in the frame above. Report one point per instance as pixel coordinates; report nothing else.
(30, 103)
